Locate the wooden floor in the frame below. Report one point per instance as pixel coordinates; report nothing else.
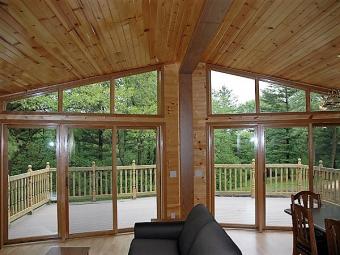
(96, 216)
(249, 241)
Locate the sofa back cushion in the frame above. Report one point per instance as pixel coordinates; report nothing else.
(196, 220)
(213, 240)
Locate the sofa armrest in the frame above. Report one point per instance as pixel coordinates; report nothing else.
(158, 230)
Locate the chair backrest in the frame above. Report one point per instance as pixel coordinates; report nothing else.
(307, 199)
(303, 229)
(333, 236)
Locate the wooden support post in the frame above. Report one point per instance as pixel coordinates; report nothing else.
(299, 175)
(252, 178)
(93, 181)
(134, 190)
(30, 189)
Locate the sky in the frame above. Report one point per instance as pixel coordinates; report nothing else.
(243, 88)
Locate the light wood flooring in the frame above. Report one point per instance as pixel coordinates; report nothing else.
(249, 241)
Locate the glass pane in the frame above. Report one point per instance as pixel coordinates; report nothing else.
(327, 162)
(90, 180)
(32, 184)
(136, 94)
(232, 93)
(318, 103)
(286, 171)
(276, 98)
(93, 98)
(136, 176)
(235, 151)
(43, 103)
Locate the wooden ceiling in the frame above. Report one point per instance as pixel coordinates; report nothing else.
(297, 40)
(44, 42)
(48, 42)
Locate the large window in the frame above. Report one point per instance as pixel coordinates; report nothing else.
(93, 98)
(137, 94)
(277, 98)
(42, 103)
(231, 94)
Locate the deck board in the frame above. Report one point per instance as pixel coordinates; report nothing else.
(96, 216)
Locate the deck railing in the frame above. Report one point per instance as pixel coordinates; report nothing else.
(30, 190)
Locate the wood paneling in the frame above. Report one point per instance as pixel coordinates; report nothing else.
(292, 39)
(171, 116)
(200, 146)
(50, 42)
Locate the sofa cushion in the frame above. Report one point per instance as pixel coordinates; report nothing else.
(153, 246)
(213, 240)
(197, 218)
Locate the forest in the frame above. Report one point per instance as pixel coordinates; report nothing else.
(137, 94)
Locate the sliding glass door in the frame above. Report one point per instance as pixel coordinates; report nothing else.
(286, 170)
(234, 175)
(31, 186)
(90, 184)
(137, 173)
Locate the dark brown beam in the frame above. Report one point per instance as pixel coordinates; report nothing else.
(212, 15)
(211, 18)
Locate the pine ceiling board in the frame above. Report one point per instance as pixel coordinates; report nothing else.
(257, 29)
(268, 30)
(294, 22)
(240, 27)
(283, 43)
(315, 58)
(315, 34)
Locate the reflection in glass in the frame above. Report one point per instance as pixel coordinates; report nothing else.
(32, 182)
(234, 168)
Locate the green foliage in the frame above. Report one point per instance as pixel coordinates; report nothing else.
(43, 103)
(30, 147)
(277, 98)
(136, 94)
(91, 98)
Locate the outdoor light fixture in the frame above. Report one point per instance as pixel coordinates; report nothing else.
(332, 100)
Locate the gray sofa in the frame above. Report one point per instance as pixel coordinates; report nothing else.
(199, 234)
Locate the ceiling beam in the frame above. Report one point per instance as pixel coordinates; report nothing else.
(212, 15)
(211, 18)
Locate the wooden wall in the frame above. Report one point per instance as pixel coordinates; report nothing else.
(201, 177)
(171, 104)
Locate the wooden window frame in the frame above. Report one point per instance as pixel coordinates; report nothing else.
(62, 163)
(308, 88)
(60, 88)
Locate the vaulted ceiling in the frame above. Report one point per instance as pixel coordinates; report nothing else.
(46, 42)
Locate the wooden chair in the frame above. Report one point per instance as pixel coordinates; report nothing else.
(304, 241)
(307, 199)
(333, 236)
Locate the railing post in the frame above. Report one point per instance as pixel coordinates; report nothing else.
(9, 200)
(30, 189)
(49, 182)
(252, 178)
(93, 181)
(321, 180)
(299, 175)
(134, 190)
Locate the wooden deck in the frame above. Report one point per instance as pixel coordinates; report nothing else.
(96, 216)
